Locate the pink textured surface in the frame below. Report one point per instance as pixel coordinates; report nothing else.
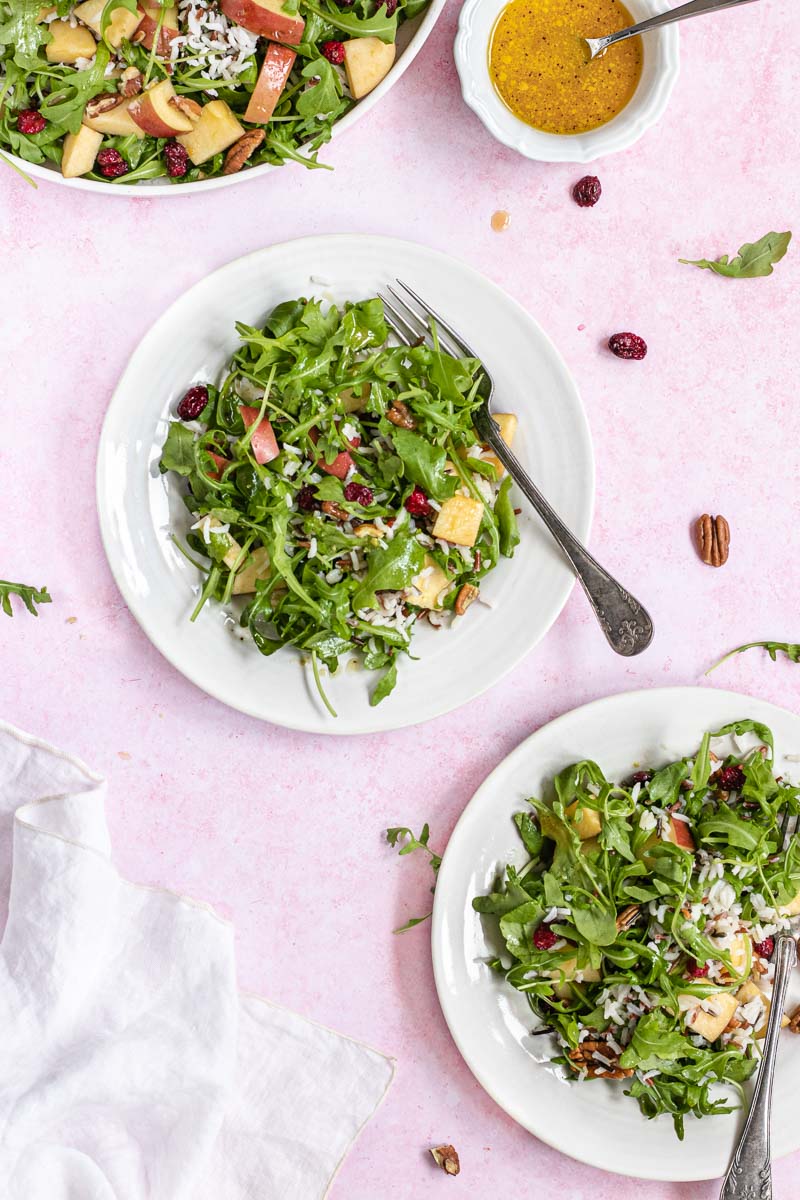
(283, 832)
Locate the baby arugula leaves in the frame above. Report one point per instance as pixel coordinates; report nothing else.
(790, 649)
(408, 844)
(754, 258)
(30, 596)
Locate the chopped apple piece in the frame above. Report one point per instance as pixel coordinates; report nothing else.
(216, 129)
(710, 1020)
(741, 955)
(263, 443)
(792, 909)
(568, 971)
(116, 122)
(221, 464)
(750, 991)
(343, 461)
(123, 23)
(459, 520)
(148, 28)
(275, 69)
(354, 401)
(80, 151)
(679, 834)
(266, 17)
(430, 583)
(68, 44)
(156, 111)
(508, 429)
(257, 568)
(44, 13)
(367, 61)
(588, 824)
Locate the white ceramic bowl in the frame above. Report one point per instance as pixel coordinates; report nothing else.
(660, 71)
(411, 37)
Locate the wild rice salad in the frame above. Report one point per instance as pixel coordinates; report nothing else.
(642, 926)
(127, 90)
(337, 483)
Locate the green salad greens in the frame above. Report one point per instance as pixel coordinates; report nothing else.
(337, 486)
(73, 76)
(640, 927)
(30, 596)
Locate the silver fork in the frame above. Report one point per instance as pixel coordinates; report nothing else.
(750, 1172)
(695, 8)
(624, 621)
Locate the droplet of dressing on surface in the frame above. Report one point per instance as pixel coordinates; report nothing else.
(500, 220)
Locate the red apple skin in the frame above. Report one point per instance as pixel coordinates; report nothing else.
(221, 462)
(263, 443)
(272, 77)
(280, 26)
(146, 32)
(681, 834)
(146, 117)
(341, 464)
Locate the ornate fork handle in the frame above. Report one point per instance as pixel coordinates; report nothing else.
(625, 622)
(750, 1173)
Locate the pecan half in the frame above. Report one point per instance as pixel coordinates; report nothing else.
(102, 104)
(713, 540)
(367, 530)
(446, 1157)
(400, 415)
(332, 509)
(131, 81)
(189, 108)
(467, 594)
(628, 917)
(583, 1058)
(240, 151)
(794, 1021)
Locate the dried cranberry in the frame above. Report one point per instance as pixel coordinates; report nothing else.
(627, 345)
(30, 121)
(544, 938)
(764, 949)
(730, 779)
(417, 503)
(391, 5)
(111, 164)
(695, 971)
(357, 493)
(587, 191)
(641, 777)
(177, 159)
(334, 52)
(307, 498)
(345, 3)
(193, 403)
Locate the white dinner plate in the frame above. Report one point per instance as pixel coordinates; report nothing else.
(193, 341)
(491, 1023)
(411, 37)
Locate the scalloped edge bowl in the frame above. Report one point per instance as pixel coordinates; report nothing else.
(412, 36)
(659, 75)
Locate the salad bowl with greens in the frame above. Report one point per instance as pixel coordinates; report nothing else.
(294, 507)
(626, 941)
(169, 98)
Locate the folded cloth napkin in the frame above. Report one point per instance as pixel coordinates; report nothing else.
(131, 1067)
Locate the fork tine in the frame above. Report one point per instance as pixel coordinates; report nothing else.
(424, 321)
(396, 323)
(461, 346)
(410, 318)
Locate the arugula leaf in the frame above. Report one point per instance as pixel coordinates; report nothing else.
(178, 453)
(401, 835)
(385, 686)
(754, 258)
(390, 569)
(424, 462)
(506, 519)
(655, 1038)
(30, 596)
(773, 649)
(597, 924)
(380, 25)
(530, 833)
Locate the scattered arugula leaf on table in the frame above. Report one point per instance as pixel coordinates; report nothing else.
(790, 649)
(408, 844)
(754, 258)
(30, 596)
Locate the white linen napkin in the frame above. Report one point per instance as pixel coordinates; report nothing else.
(131, 1067)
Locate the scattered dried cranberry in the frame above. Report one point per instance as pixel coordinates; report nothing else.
(177, 159)
(641, 777)
(695, 971)
(627, 345)
(334, 52)
(544, 938)
(357, 493)
(193, 403)
(730, 779)
(307, 498)
(111, 164)
(587, 191)
(417, 503)
(764, 949)
(30, 121)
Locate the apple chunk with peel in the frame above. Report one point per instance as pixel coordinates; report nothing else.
(587, 823)
(266, 17)
(568, 971)
(80, 151)
(275, 69)
(215, 130)
(427, 587)
(367, 61)
(68, 44)
(256, 568)
(148, 29)
(156, 111)
(123, 23)
(115, 122)
(343, 461)
(679, 834)
(709, 1015)
(263, 443)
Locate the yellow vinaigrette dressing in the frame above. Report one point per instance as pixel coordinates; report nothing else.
(538, 63)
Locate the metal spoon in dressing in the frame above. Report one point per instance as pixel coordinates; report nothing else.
(696, 8)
